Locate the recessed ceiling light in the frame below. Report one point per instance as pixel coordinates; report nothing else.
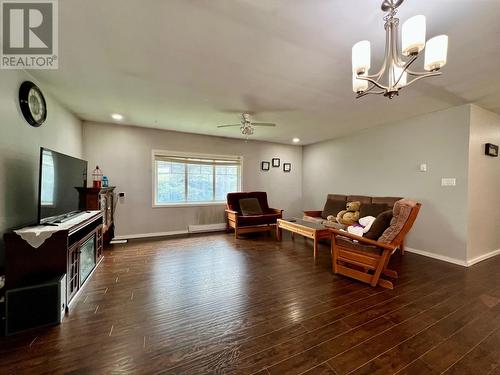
(296, 140)
(117, 116)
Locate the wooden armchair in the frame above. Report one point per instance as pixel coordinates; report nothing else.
(250, 223)
(366, 260)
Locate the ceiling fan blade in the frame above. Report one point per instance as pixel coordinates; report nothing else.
(227, 126)
(263, 124)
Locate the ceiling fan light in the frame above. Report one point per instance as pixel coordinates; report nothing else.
(361, 56)
(413, 35)
(436, 53)
(359, 85)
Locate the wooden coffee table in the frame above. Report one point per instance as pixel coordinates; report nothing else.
(314, 231)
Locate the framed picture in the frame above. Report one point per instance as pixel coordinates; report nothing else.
(491, 150)
(265, 165)
(287, 167)
(276, 162)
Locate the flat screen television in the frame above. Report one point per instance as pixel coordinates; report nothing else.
(60, 178)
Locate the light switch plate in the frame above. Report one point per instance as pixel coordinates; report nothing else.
(423, 167)
(448, 182)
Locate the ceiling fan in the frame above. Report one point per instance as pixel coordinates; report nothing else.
(246, 125)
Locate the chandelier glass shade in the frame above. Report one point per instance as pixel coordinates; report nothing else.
(395, 72)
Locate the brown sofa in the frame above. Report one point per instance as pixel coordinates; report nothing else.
(317, 216)
(250, 223)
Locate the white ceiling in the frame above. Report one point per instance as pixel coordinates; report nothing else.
(190, 65)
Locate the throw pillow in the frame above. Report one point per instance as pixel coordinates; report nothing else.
(381, 223)
(372, 209)
(332, 207)
(401, 213)
(250, 207)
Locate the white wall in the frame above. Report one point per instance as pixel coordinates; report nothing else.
(484, 185)
(124, 154)
(384, 161)
(20, 151)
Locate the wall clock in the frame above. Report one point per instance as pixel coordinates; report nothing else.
(32, 103)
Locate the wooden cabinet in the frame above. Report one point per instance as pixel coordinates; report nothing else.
(102, 199)
(59, 254)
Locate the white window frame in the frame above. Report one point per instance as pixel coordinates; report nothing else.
(191, 155)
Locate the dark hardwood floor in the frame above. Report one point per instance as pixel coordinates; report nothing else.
(213, 304)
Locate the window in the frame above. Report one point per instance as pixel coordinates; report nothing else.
(194, 179)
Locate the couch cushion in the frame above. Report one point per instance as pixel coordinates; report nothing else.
(337, 197)
(262, 197)
(233, 200)
(387, 200)
(350, 244)
(250, 206)
(400, 214)
(258, 219)
(381, 223)
(332, 207)
(372, 209)
(359, 198)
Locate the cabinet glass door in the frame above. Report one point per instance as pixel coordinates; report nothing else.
(87, 259)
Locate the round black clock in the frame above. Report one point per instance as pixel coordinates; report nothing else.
(32, 103)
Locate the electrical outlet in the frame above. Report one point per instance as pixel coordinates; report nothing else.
(121, 195)
(448, 182)
(423, 167)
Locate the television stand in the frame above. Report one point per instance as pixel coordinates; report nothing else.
(74, 249)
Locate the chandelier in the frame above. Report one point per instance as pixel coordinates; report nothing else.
(395, 73)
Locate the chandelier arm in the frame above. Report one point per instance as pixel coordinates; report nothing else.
(369, 93)
(387, 54)
(405, 68)
(419, 74)
(377, 75)
(373, 81)
(409, 63)
(368, 90)
(396, 53)
(433, 74)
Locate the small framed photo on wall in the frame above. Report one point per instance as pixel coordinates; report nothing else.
(276, 162)
(491, 150)
(265, 166)
(287, 167)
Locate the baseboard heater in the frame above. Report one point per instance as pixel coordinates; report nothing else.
(207, 228)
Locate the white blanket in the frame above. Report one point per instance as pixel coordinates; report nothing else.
(36, 236)
(358, 231)
(366, 224)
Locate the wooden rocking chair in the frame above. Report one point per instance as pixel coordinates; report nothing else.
(366, 260)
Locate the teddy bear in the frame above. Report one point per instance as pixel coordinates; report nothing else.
(350, 215)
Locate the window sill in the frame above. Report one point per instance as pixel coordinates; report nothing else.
(190, 204)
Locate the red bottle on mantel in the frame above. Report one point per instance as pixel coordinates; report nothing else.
(97, 178)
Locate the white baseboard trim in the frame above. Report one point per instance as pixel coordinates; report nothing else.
(207, 228)
(114, 241)
(459, 262)
(480, 258)
(151, 235)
